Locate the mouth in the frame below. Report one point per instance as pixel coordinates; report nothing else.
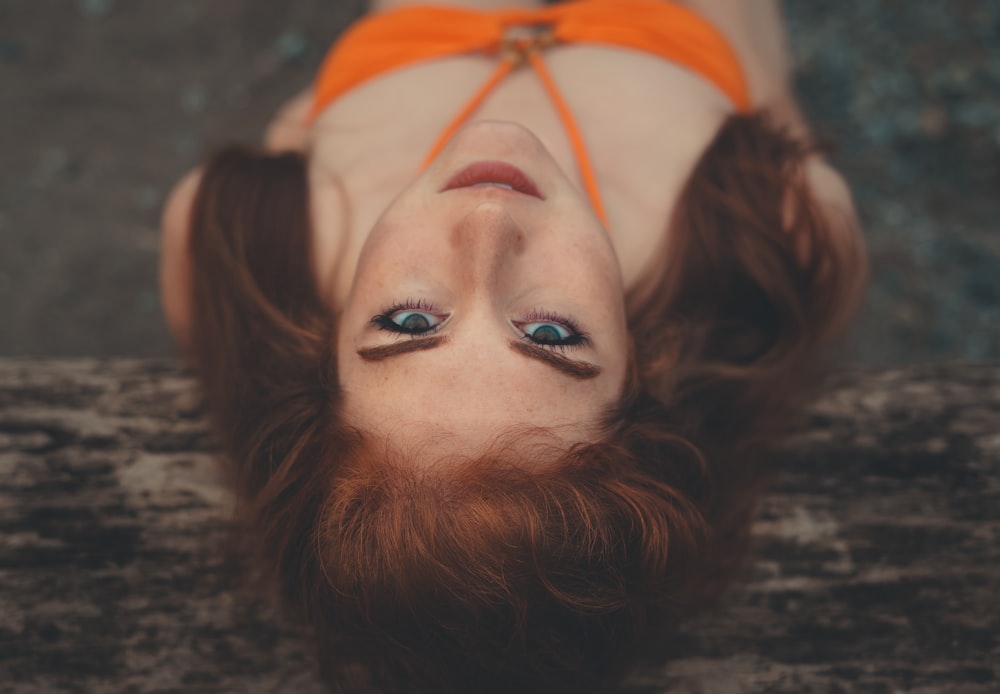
(494, 174)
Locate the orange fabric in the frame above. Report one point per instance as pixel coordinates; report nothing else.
(385, 41)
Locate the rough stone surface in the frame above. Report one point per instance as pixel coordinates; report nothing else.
(104, 103)
(877, 568)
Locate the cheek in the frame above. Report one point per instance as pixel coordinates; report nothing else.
(376, 271)
(592, 266)
(344, 346)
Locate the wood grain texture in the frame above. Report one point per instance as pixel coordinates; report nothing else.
(877, 564)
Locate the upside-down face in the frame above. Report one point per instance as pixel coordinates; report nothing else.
(487, 296)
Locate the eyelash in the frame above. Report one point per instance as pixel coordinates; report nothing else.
(383, 320)
(578, 338)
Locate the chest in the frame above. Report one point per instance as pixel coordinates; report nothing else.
(644, 122)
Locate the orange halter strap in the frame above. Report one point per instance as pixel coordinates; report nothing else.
(516, 51)
(396, 38)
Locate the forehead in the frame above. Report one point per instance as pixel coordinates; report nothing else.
(467, 397)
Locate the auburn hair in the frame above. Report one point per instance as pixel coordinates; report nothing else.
(493, 574)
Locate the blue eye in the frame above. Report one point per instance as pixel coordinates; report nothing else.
(550, 330)
(412, 319)
(546, 333)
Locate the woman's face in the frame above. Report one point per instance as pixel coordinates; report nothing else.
(477, 307)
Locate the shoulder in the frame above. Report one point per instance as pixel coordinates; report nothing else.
(846, 269)
(756, 31)
(175, 262)
(287, 132)
(831, 192)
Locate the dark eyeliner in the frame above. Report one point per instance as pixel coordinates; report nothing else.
(383, 320)
(577, 338)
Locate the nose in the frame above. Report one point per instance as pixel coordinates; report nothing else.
(485, 241)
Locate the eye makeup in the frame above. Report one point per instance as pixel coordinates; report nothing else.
(543, 329)
(545, 321)
(414, 318)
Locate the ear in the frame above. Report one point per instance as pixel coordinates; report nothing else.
(175, 258)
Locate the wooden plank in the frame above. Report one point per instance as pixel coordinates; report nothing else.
(877, 565)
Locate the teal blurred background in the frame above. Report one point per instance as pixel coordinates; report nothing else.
(104, 103)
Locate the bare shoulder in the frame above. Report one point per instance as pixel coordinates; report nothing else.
(175, 260)
(756, 30)
(832, 195)
(844, 239)
(830, 189)
(289, 129)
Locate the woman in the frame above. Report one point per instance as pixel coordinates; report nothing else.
(498, 331)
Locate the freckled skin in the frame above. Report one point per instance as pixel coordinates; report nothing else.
(486, 258)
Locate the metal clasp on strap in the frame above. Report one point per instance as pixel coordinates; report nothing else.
(520, 41)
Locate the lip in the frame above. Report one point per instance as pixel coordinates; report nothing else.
(494, 172)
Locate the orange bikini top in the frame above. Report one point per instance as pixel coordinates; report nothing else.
(387, 40)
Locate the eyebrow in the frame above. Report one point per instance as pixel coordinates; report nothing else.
(580, 370)
(383, 352)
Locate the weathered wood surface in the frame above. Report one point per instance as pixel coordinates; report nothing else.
(878, 565)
